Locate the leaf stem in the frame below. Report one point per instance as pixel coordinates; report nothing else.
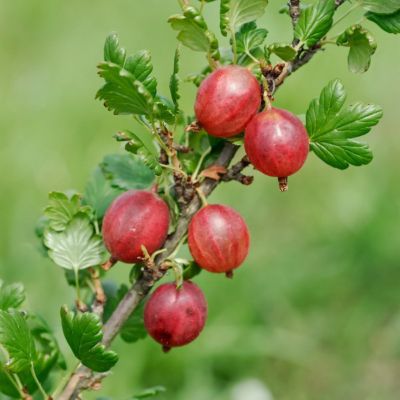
(348, 12)
(39, 385)
(200, 163)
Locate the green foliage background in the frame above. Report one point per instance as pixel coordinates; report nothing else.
(314, 313)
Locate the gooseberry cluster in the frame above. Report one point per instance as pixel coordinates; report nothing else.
(276, 143)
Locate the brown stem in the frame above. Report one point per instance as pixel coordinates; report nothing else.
(235, 173)
(294, 11)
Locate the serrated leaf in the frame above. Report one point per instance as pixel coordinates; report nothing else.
(151, 392)
(123, 93)
(127, 172)
(284, 51)
(193, 31)
(83, 332)
(77, 247)
(381, 6)
(62, 209)
(112, 50)
(17, 340)
(165, 111)
(331, 129)
(315, 22)
(249, 37)
(174, 80)
(99, 193)
(11, 296)
(362, 47)
(135, 146)
(235, 13)
(388, 22)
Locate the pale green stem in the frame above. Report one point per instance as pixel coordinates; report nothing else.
(200, 163)
(39, 385)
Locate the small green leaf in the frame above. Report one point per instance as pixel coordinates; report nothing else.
(127, 172)
(17, 340)
(315, 22)
(62, 209)
(151, 392)
(388, 22)
(284, 51)
(331, 129)
(193, 31)
(235, 13)
(123, 93)
(362, 47)
(11, 296)
(381, 6)
(99, 193)
(83, 332)
(112, 50)
(135, 146)
(174, 81)
(249, 37)
(77, 247)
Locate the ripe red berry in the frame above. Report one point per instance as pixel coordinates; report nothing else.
(135, 218)
(276, 143)
(175, 317)
(218, 239)
(226, 101)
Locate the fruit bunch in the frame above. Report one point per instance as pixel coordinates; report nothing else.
(137, 223)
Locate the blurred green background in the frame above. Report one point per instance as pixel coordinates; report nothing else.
(314, 312)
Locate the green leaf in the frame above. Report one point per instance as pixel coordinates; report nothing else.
(381, 6)
(194, 32)
(62, 209)
(174, 80)
(332, 128)
(127, 172)
(17, 340)
(11, 296)
(130, 88)
(112, 50)
(77, 247)
(388, 22)
(99, 193)
(249, 37)
(362, 47)
(83, 332)
(284, 51)
(123, 93)
(135, 146)
(315, 22)
(234, 13)
(151, 392)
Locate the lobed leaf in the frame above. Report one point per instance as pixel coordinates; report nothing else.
(83, 332)
(315, 22)
(235, 13)
(11, 296)
(331, 129)
(99, 193)
(284, 51)
(249, 37)
(362, 47)
(17, 340)
(127, 172)
(77, 247)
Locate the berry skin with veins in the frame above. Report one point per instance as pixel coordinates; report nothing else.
(276, 143)
(136, 218)
(175, 317)
(218, 239)
(227, 100)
